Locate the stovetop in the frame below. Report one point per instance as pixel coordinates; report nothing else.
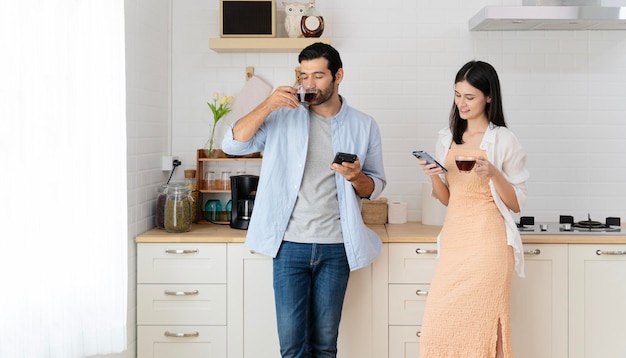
(567, 226)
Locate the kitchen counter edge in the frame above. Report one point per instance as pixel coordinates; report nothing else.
(388, 233)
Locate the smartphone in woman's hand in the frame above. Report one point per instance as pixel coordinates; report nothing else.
(422, 155)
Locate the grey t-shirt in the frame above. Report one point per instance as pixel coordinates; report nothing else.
(315, 218)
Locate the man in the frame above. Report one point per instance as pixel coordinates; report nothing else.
(307, 212)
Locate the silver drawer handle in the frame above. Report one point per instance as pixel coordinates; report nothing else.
(424, 251)
(601, 252)
(418, 334)
(532, 252)
(421, 293)
(180, 251)
(182, 293)
(182, 335)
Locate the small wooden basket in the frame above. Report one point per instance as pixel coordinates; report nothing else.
(374, 212)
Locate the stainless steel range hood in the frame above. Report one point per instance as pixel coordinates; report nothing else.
(550, 15)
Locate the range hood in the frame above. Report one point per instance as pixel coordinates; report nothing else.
(550, 15)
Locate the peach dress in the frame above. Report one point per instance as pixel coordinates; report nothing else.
(470, 291)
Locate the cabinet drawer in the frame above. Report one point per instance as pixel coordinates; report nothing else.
(181, 341)
(404, 341)
(406, 304)
(181, 263)
(181, 304)
(412, 262)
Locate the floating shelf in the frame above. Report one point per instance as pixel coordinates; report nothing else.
(263, 44)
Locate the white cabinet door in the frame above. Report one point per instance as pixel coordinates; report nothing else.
(355, 331)
(539, 303)
(251, 309)
(412, 262)
(181, 341)
(169, 304)
(597, 286)
(411, 268)
(404, 341)
(252, 314)
(181, 300)
(181, 263)
(407, 303)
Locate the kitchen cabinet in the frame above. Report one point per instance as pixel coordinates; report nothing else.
(252, 316)
(251, 310)
(539, 314)
(181, 300)
(259, 44)
(203, 291)
(411, 267)
(597, 301)
(217, 165)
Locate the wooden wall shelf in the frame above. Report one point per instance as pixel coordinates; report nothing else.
(273, 44)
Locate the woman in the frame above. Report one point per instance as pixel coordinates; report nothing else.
(467, 310)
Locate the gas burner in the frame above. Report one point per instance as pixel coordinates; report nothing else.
(611, 224)
(590, 224)
(567, 226)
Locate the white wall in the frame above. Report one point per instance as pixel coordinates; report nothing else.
(148, 113)
(563, 92)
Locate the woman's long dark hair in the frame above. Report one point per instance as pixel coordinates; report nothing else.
(483, 76)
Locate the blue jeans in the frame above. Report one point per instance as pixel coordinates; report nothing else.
(310, 282)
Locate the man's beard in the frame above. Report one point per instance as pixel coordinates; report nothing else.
(323, 96)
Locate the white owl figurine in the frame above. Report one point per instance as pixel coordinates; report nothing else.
(293, 15)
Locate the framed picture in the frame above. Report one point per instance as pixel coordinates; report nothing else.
(250, 18)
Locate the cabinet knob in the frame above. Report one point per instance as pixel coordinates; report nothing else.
(182, 293)
(181, 335)
(602, 252)
(181, 251)
(418, 334)
(425, 251)
(532, 252)
(421, 293)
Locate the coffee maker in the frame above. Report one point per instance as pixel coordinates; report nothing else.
(243, 191)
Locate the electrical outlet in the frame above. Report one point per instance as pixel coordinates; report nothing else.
(167, 162)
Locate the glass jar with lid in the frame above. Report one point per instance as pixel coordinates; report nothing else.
(178, 208)
(190, 180)
(160, 206)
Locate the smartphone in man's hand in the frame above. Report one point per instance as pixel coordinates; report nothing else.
(344, 157)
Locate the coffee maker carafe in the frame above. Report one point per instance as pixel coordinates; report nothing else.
(243, 191)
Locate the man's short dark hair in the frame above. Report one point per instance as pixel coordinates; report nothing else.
(319, 50)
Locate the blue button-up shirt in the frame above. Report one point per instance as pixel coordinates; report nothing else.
(283, 138)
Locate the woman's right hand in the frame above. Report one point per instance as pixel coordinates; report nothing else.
(440, 189)
(430, 169)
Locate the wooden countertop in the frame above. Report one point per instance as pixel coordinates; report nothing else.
(208, 232)
(395, 233)
(198, 233)
(417, 232)
(412, 232)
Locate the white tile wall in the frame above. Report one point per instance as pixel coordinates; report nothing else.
(148, 126)
(563, 92)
